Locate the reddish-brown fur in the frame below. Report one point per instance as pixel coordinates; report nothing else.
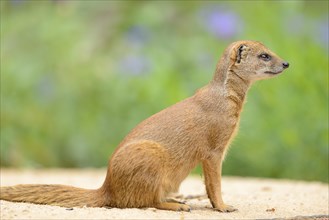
(159, 153)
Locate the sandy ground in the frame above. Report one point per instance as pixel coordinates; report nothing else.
(255, 198)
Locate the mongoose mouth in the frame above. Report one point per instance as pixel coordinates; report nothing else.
(273, 73)
(285, 65)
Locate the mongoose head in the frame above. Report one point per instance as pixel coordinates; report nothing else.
(250, 60)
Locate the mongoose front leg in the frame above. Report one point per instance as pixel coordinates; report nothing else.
(212, 169)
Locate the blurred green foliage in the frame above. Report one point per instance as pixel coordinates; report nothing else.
(77, 76)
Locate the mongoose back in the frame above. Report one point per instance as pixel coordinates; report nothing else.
(159, 153)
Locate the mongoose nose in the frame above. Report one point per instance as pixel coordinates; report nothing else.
(285, 65)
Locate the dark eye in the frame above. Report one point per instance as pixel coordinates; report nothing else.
(265, 57)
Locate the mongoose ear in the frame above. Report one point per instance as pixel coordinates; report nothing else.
(241, 53)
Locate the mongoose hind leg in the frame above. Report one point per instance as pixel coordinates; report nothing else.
(137, 175)
(172, 206)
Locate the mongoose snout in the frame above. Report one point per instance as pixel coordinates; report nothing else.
(159, 153)
(285, 65)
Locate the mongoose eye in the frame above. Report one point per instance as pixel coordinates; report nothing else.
(265, 57)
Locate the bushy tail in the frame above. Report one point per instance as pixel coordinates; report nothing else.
(59, 195)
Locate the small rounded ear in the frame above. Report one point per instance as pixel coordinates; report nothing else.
(233, 54)
(241, 53)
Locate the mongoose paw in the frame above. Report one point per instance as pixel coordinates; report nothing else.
(175, 201)
(185, 208)
(173, 206)
(226, 208)
(182, 207)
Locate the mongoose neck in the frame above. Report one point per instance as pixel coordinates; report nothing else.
(236, 88)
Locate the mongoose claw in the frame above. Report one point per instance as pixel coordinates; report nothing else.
(226, 208)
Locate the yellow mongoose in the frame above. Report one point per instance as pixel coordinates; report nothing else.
(159, 153)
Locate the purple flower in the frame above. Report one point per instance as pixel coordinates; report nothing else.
(138, 35)
(134, 65)
(46, 89)
(223, 24)
(321, 31)
(295, 24)
(317, 30)
(16, 2)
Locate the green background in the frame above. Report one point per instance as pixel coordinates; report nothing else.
(77, 76)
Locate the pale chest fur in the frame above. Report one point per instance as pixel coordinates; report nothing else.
(223, 127)
(222, 106)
